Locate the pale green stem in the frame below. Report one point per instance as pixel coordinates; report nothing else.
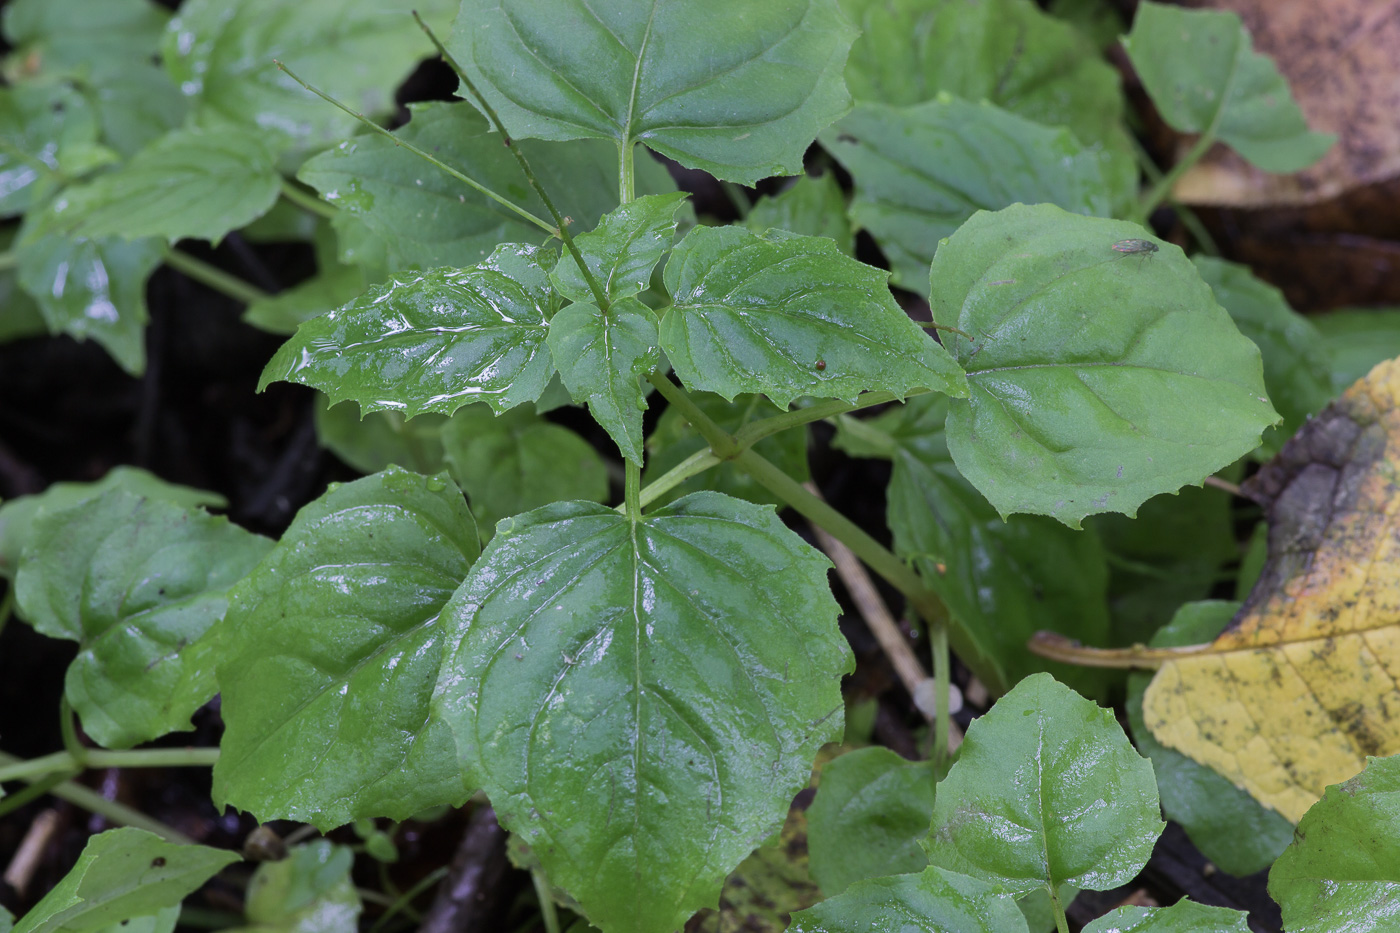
(695, 464)
(756, 431)
(1163, 188)
(68, 728)
(111, 810)
(942, 680)
(599, 296)
(405, 899)
(214, 277)
(1061, 921)
(13, 769)
(307, 201)
(626, 172)
(547, 911)
(464, 179)
(632, 491)
(8, 261)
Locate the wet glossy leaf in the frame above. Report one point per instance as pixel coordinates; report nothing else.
(602, 358)
(518, 461)
(432, 341)
(1182, 917)
(1237, 834)
(223, 59)
(94, 41)
(675, 439)
(136, 582)
(1006, 52)
(1342, 871)
(1047, 790)
(310, 891)
(1297, 370)
(682, 672)
(92, 289)
(814, 205)
(381, 438)
(934, 901)
(1356, 340)
(1201, 70)
(191, 183)
(1004, 580)
(921, 170)
(1090, 370)
(50, 132)
(17, 516)
(138, 107)
(736, 89)
(329, 655)
(123, 874)
(790, 315)
(623, 249)
(871, 810)
(430, 219)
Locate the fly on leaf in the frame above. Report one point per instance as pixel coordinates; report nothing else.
(1135, 246)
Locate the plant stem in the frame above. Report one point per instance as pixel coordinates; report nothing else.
(307, 201)
(599, 296)
(756, 431)
(214, 277)
(626, 172)
(34, 791)
(632, 491)
(1061, 921)
(942, 680)
(406, 899)
(93, 802)
(547, 911)
(1163, 188)
(695, 464)
(8, 260)
(69, 730)
(12, 768)
(464, 179)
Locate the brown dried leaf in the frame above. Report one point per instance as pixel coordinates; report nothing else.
(1305, 682)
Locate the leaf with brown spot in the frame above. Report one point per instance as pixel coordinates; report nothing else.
(1305, 681)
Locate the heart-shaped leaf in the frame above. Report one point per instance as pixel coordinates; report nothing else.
(935, 901)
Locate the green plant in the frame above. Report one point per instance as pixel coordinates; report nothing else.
(641, 690)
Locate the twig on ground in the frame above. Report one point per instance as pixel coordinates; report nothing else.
(467, 896)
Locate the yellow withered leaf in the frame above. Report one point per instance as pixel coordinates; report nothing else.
(1305, 682)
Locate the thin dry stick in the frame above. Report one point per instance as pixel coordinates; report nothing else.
(878, 618)
(21, 869)
(1224, 484)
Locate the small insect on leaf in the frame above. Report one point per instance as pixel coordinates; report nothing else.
(1134, 245)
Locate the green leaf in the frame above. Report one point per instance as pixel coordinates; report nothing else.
(1297, 370)
(432, 341)
(1237, 833)
(334, 284)
(623, 249)
(1342, 871)
(729, 87)
(430, 219)
(681, 672)
(330, 651)
(1356, 340)
(518, 461)
(1006, 52)
(50, 133)
(602, 357)
(1047, 790)
(1182, 917)
(18, 515)
(191, 183)
(1201, 70)
(1173, 552)
(920, 171)
(138, 106)
(79, 38)
(935, 901)
(310, 891)
(675, 439)
(813, 205)
(137, 583)
(1089, 369)
(1098, 20)
(19, 317)
(92, 288)
(122, 874)
(163, 921)
(223, 58)
(871, 810)
(790, 315)
(1004, 580)
(382, 438)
